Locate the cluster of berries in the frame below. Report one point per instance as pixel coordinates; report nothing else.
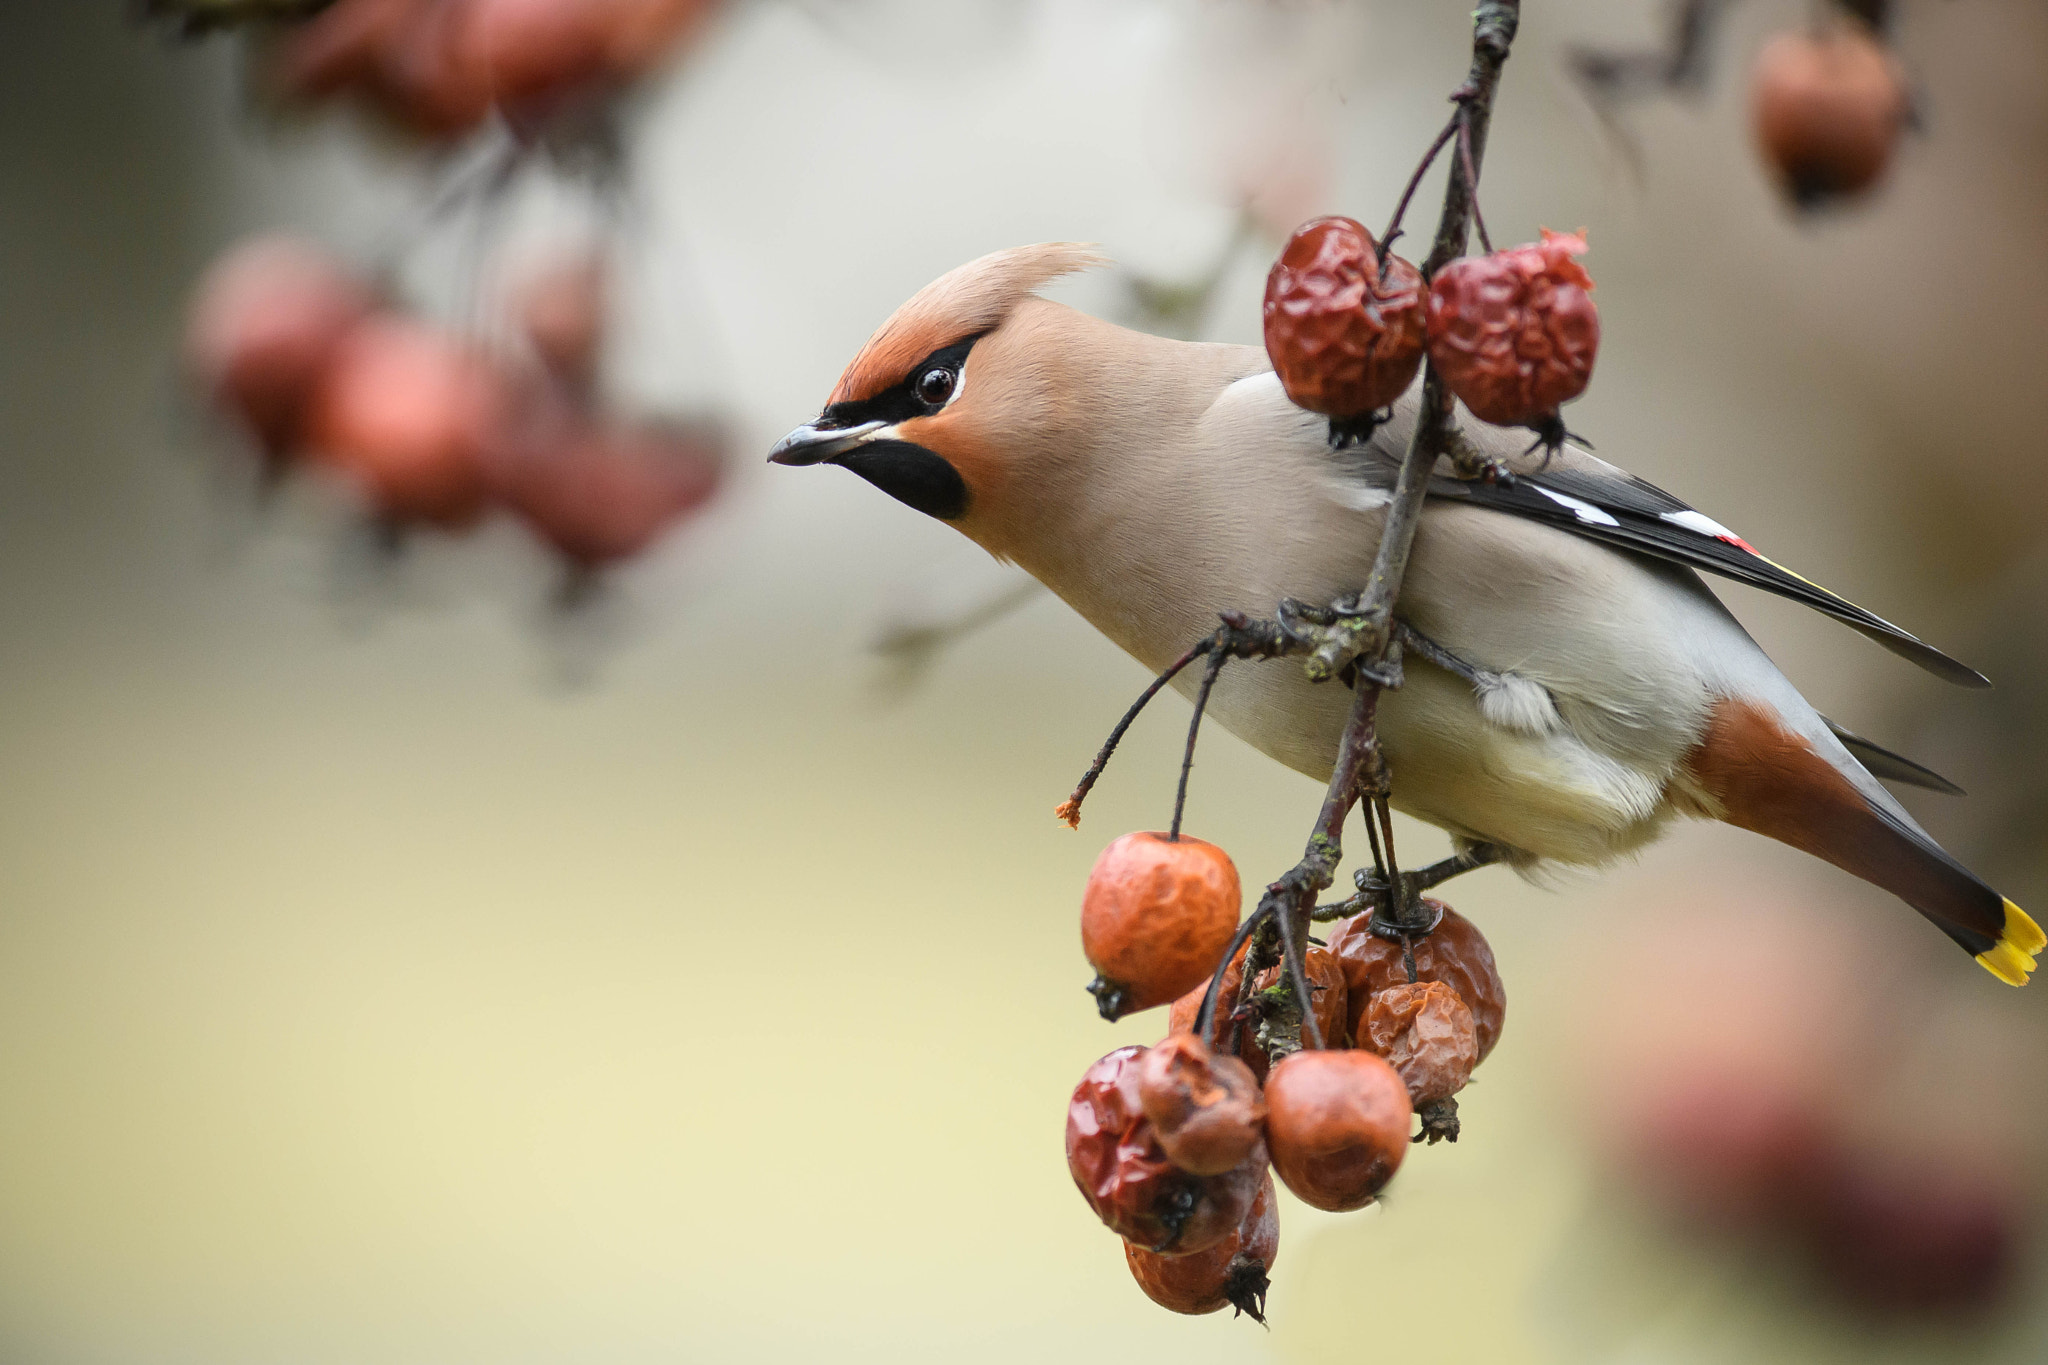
(1512, 333)
(1174, 1146)
(430, 429)
(439, 69)
(1829, 108)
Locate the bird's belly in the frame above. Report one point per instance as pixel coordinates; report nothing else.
(1544, 796)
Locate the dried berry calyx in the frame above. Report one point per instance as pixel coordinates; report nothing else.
(1205, 1107)
(1455, 953)
(1337, 1126)
(1233, 1272)
(1344, 327)
(1157, 914)
(1115, 1157)
(1514, 333)
(1425, 1032)
(1829, 108)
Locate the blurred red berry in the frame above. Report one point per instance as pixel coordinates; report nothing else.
(263, 325)
(1514, 333)
(1829, 108)
(538, 53)
(1117, 1163)
(1205, 1107)
(1425, 1032)
(1729, 1150)
(561, 308)
(1155, 919)
(606, 493)
(1895, 1238)
(1233, 1272)
(1344, 341)
(412, 417)
(402, 58)
(1455, 953)
(1336, 1126)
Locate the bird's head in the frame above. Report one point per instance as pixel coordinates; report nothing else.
(943, 402)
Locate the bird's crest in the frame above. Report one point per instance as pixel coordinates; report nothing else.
(963, 302)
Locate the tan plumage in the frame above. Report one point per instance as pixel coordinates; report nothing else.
(1154, 483)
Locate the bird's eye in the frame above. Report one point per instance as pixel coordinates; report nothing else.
(935, 385)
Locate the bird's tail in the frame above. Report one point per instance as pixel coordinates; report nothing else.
(1767, 778)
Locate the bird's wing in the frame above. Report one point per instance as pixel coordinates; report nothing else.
(1589, 497)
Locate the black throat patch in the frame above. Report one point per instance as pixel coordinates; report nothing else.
(912, 475)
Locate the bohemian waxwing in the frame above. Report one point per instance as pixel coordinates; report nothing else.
(1604, 690)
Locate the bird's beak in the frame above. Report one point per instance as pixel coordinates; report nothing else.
(813, 443)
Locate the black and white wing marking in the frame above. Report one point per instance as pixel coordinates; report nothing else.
(1589, 497)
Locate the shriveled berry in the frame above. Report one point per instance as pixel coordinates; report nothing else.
(1344, 340)
(1514, 333)
(1426, 1034)
(1337, 1126)
(1114, 1155)
(1328, 992)
(1233, 1272)
(1829, 108)
(264, 323)
(1206, 1107)
(1455, 953)
(603, 494)
(411, 415)
(1156, 917)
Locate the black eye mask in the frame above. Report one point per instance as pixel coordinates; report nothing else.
(899, 402)
(906, 471)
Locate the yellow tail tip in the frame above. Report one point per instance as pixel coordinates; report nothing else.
(2011, 959)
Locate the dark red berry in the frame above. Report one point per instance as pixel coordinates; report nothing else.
(1344, 340)
(1114, 1155)
(1514, 333)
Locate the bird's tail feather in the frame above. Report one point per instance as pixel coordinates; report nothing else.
(1765, 777)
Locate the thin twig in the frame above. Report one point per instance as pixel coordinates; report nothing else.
(1069, 810)
(1472, 176)
(1414, 182)
(1187, 761)
(1205, 1018)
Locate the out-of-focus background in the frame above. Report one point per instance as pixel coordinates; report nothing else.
(395, 969)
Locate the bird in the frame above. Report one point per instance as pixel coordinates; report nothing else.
(1586, 688)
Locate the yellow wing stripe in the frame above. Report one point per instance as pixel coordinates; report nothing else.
(2012, 957)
